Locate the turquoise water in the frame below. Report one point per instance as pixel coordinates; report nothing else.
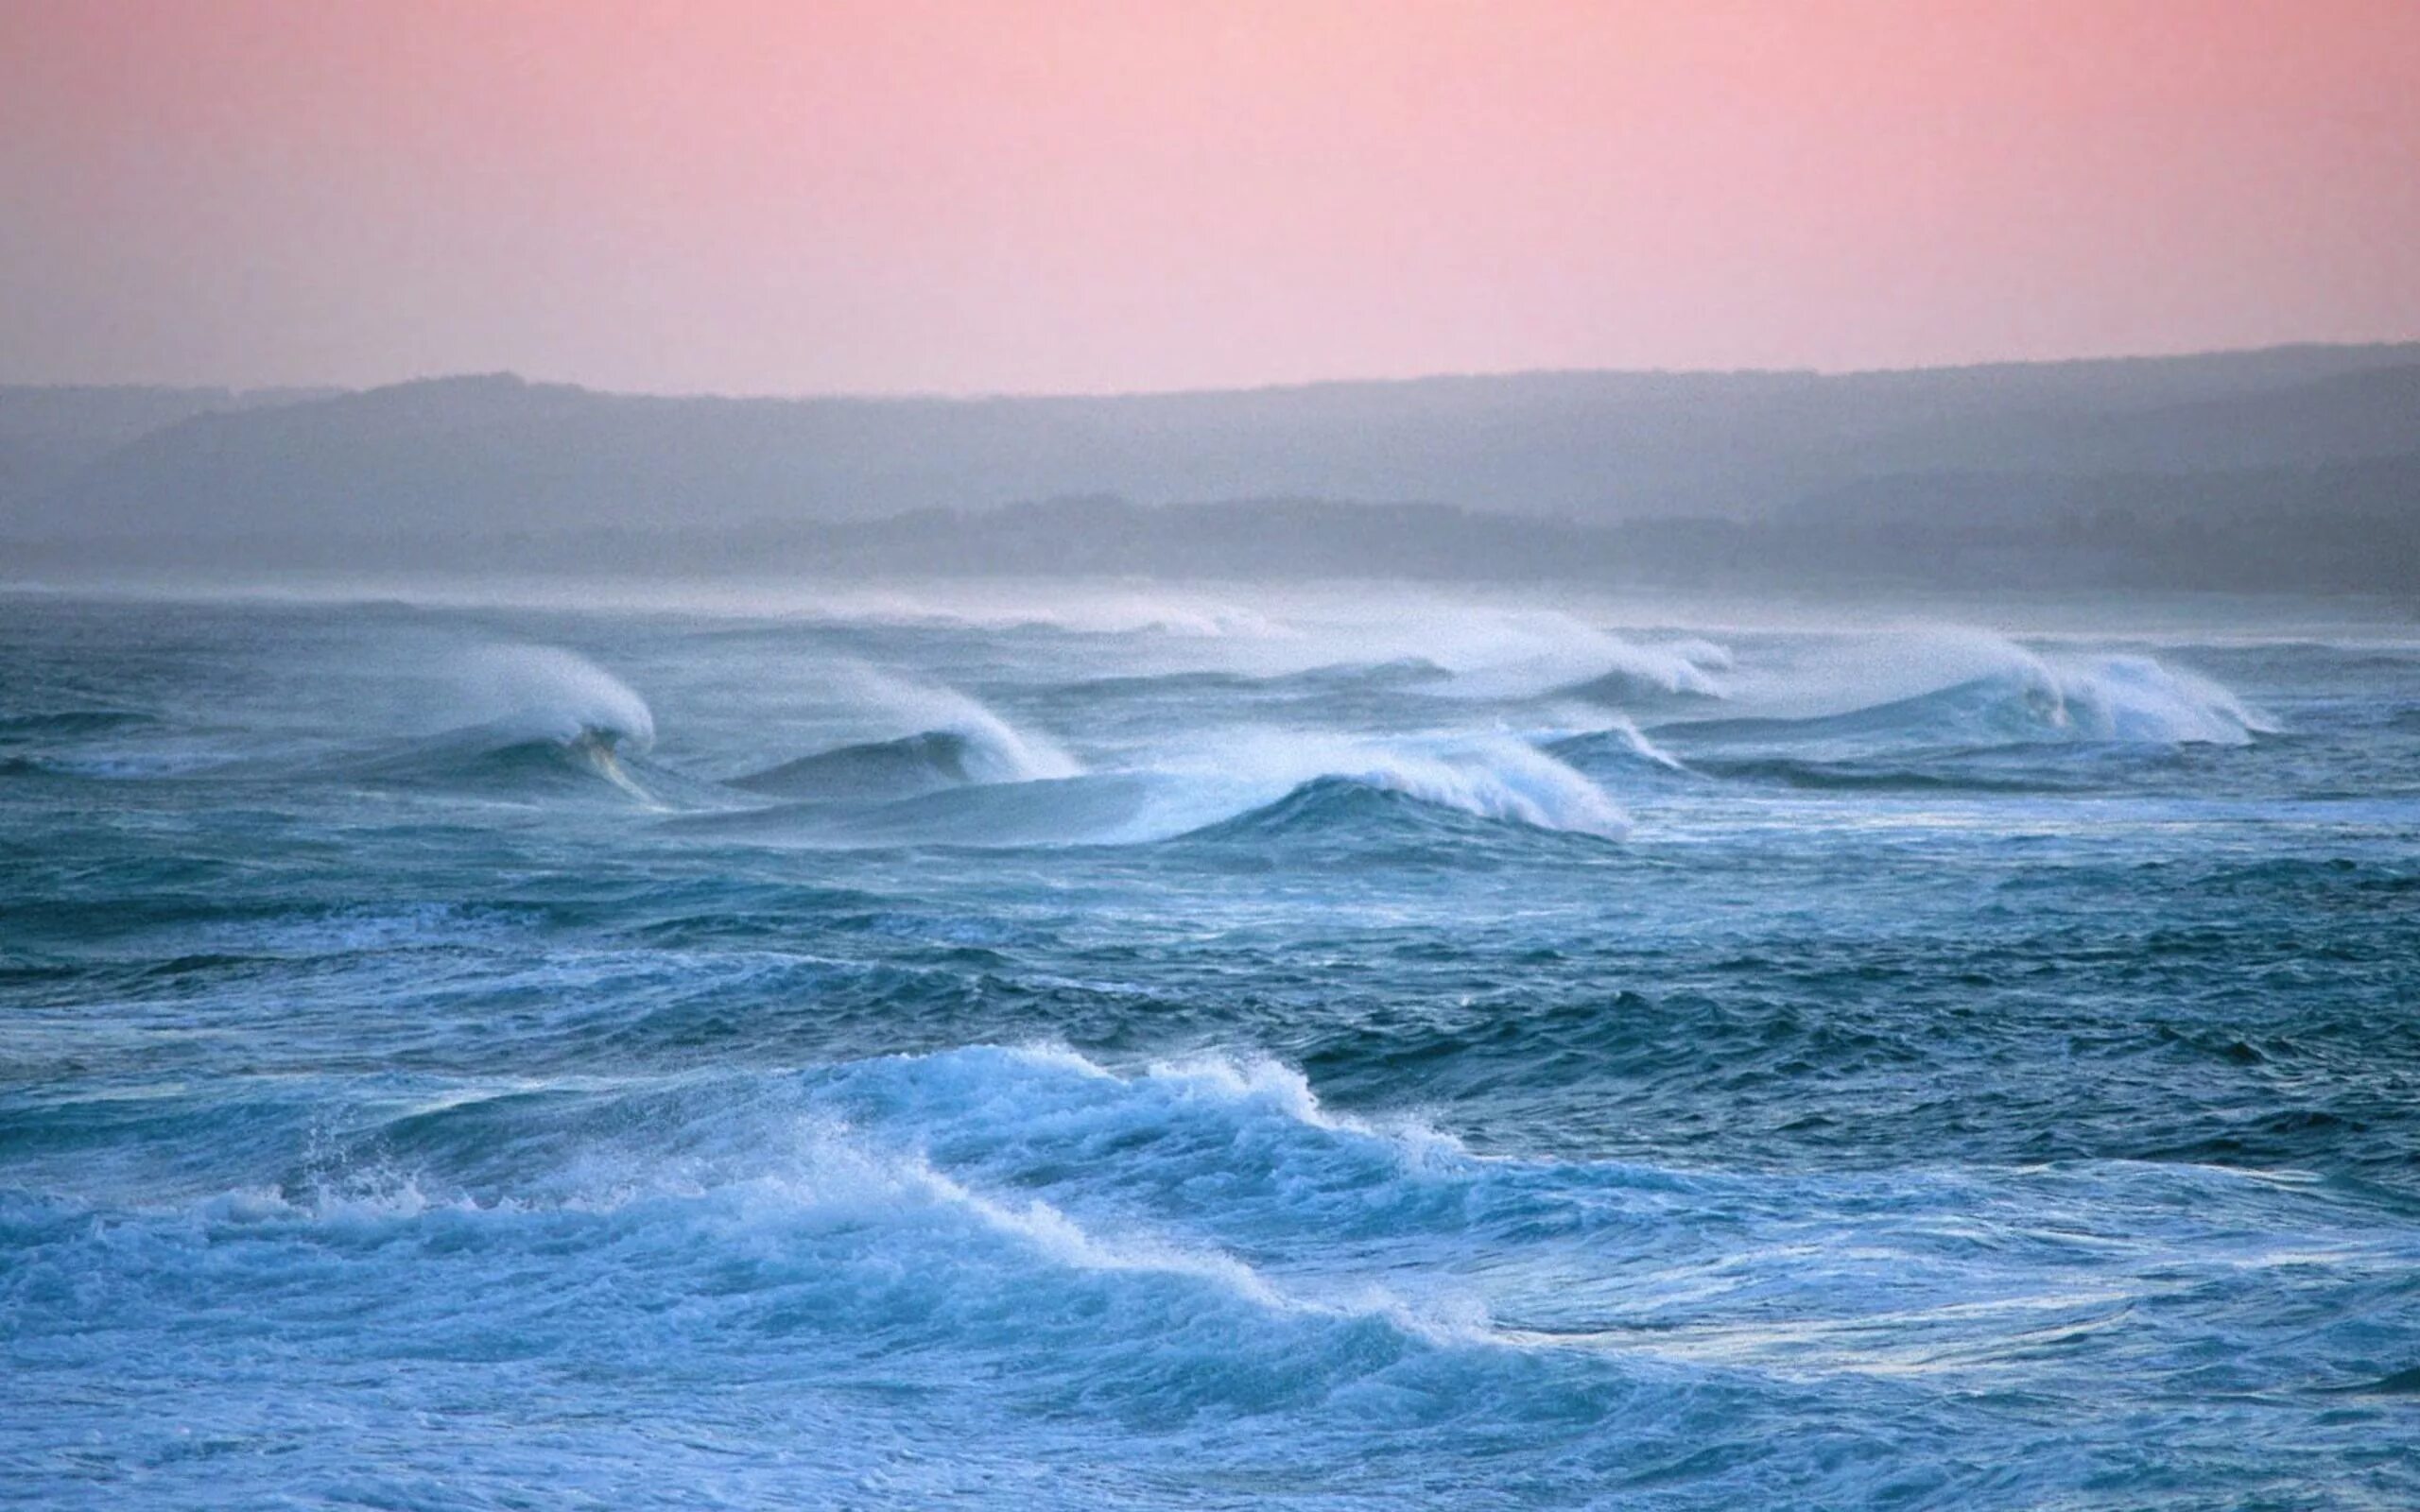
(1342, 1051)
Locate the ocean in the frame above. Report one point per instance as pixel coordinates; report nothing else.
(1105, 1045)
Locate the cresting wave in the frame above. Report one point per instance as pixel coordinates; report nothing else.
(1268, 775)
(2133, 700)
(1976, 692)
(988, 747)
(528, 693)
(522, 716)
(536, 714)
(964, 744)
(1270, 784)
(1533, 654)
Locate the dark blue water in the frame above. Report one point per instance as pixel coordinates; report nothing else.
(1091, 1049)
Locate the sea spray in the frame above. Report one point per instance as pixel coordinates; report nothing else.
(1001, 753)
(1943, 687)
(546, 692)
(1490, 776)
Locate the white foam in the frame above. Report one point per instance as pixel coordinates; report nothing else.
(2134, 698)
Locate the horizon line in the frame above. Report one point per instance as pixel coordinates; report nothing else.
(308, 392)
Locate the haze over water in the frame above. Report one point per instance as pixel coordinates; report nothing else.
(1162, 1047)
(1294, 755)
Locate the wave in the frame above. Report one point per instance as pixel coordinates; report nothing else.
(1683, 671)
(544, 693)
(526, 718)
(527, 721)
(1267, 781)
(904, 767)
(1522, 656)
(980, 752)
(880, 783)
(1004, 751)
(1497, 779)
(1273, 779)
(506, 757)
(2135, 701)
(1022, 1166)
(2025, 700)
(802, 1212)
(1619, 744)
(1330, 810)
(1030, 1199)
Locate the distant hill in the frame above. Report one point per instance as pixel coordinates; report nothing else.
(2172, 467)
(49, 436)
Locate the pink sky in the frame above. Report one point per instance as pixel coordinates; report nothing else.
(902, 195)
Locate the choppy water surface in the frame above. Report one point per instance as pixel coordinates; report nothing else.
(1100, 1050)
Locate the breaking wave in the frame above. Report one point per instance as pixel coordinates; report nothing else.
(525, 719)
(1267, 781)
(532, 693)
(909, 766)
(955, 730)
(1500, 780)
(2018, 697)
(1273, 783)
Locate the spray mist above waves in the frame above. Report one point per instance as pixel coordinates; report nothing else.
(1492, 654)
(1479, 650)
(1502, 653)
(533, 693)
(999, 752)
(945, 767)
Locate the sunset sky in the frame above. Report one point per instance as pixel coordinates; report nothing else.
(801, 196)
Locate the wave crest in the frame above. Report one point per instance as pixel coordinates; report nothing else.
(529, 693)
(1495, 778)
(1981, 693)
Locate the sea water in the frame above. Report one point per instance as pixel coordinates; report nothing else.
(1118, 1047)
